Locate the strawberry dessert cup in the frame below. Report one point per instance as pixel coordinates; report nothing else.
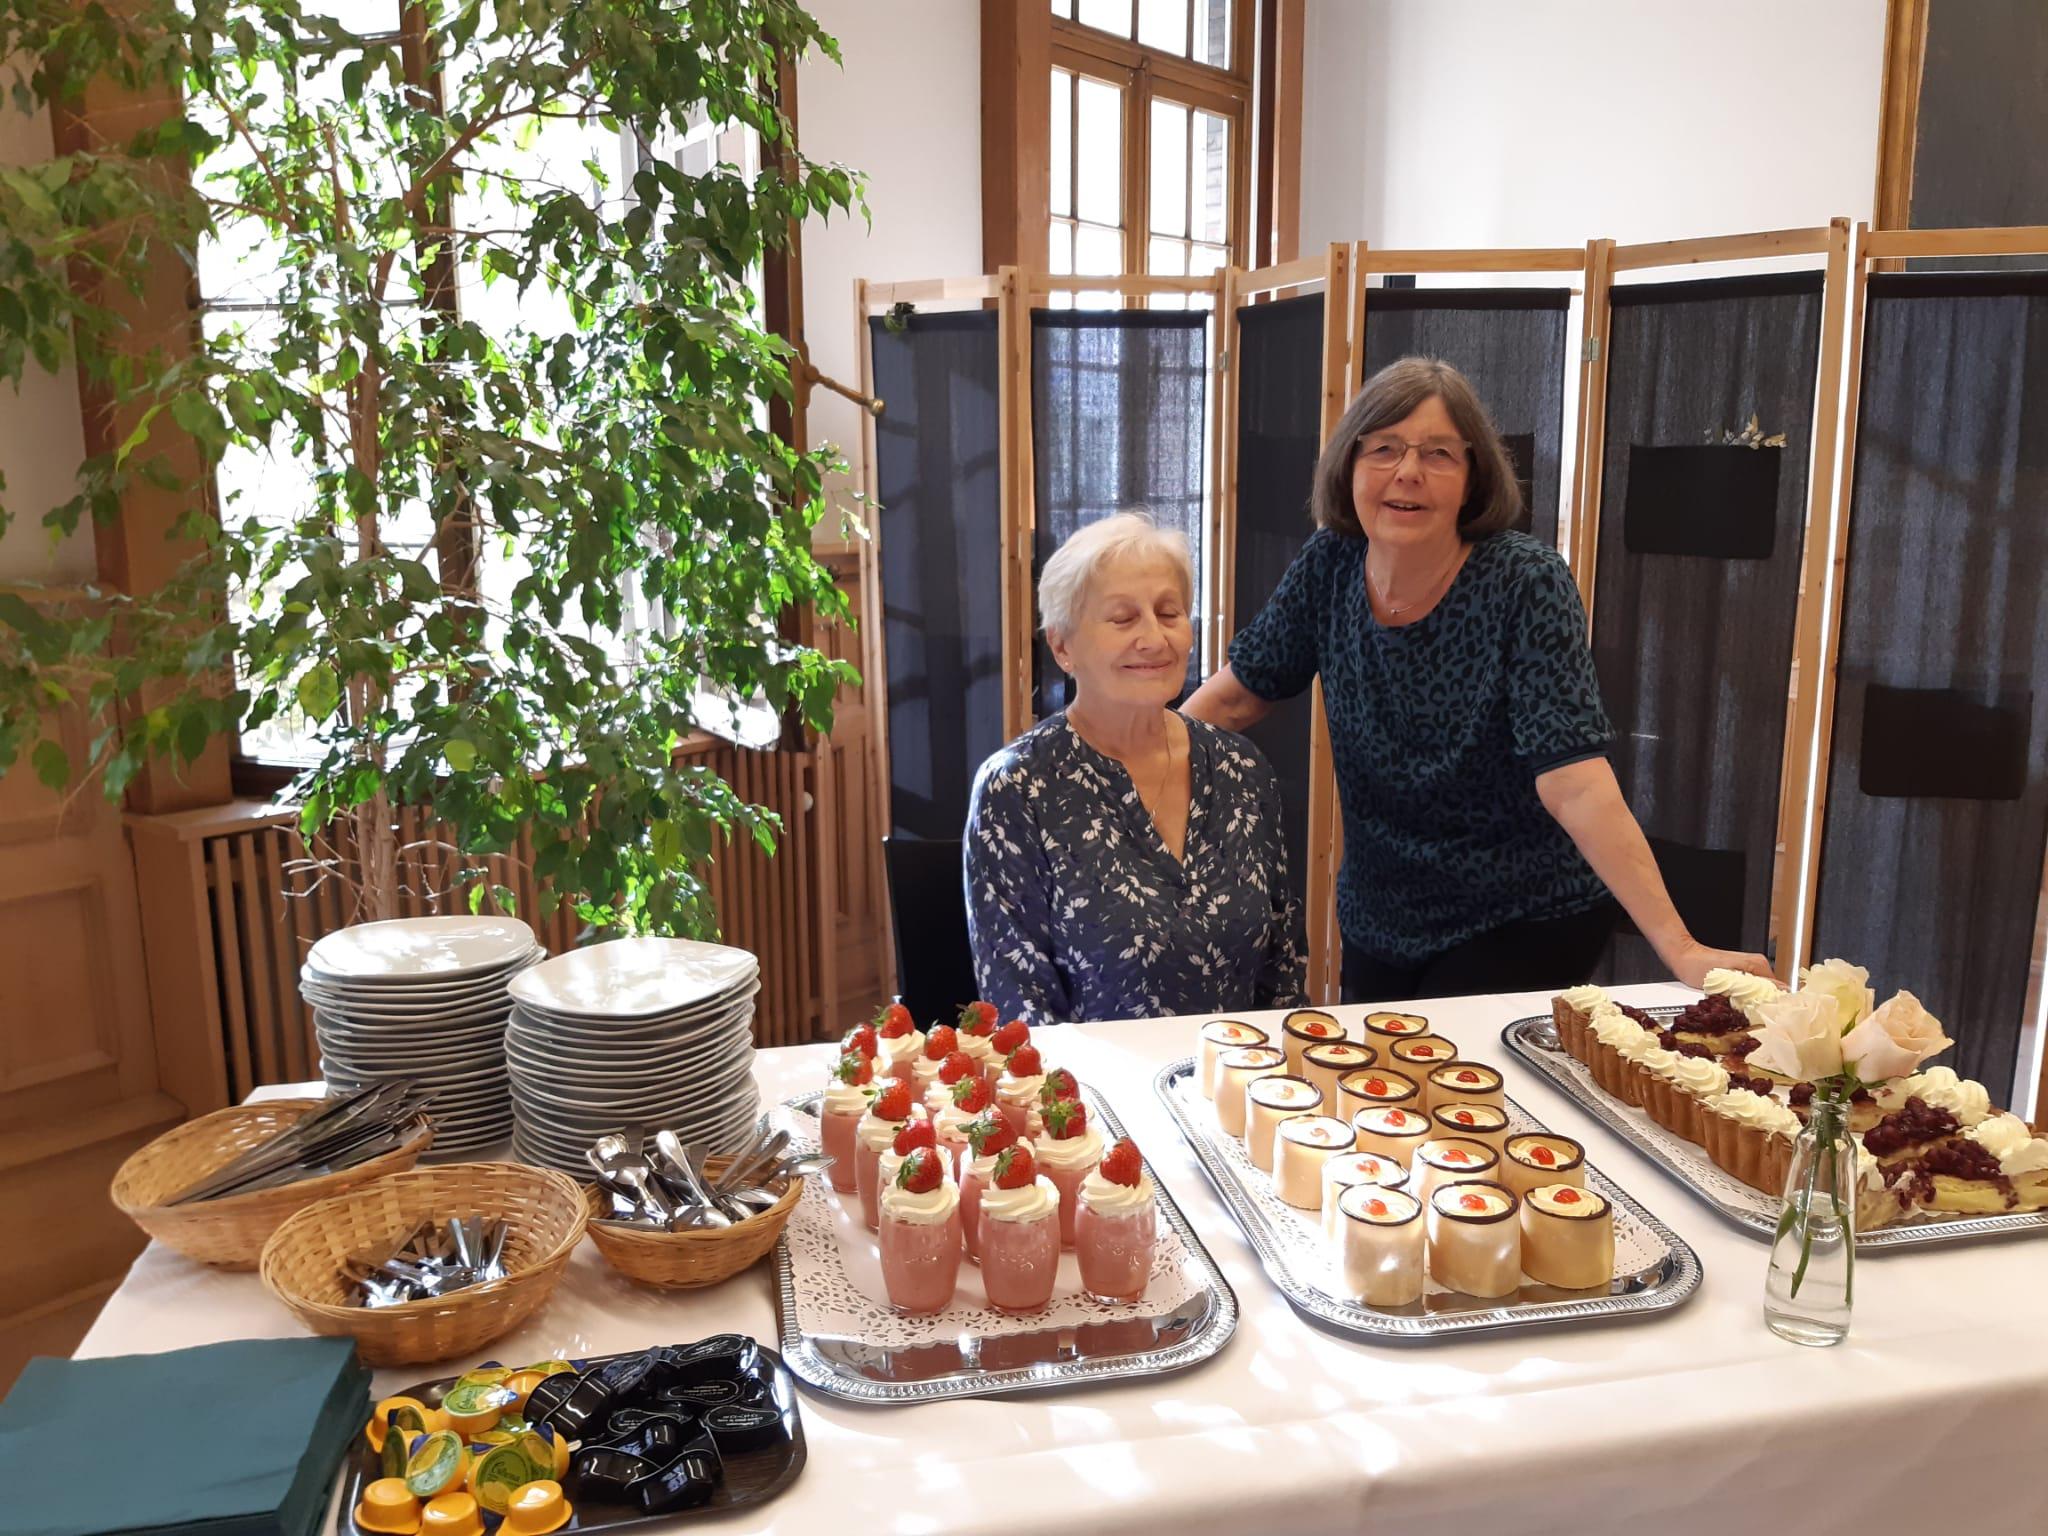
(920, 1234)
(1020, 1234)
(1117, 1227)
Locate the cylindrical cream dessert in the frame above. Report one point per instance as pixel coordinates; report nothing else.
(1306, 1027)
(1219, 1036)
(1475, 1239)
(1067, 1162)
(1567, 1237)
(1383, 1029)
(1463, 1082)
(920, 1246)
(1325, 1064)
(1390, 1130)
(1417, 1054)
(1235, 1071)
(1371, 1086)
(1115, 1233)
(1536, 1158)
(1380, 1245)
(1483, 1123)
(839, 1117)
(1017, 1097)
(1450, 1160)
(1350, 1168)
(1020, 1244)
(1269, 1100)
(1301, 1147)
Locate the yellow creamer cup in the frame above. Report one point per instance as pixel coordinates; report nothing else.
(452, 1514)
(536, 1509)
(389, 1507)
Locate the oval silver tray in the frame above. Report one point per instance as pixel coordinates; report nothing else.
(1296, 1259)
(1751, 1211)
(966, 1364)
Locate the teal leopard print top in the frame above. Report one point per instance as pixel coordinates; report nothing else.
(1438, 730)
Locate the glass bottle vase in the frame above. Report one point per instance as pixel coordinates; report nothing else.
(1810, 1286)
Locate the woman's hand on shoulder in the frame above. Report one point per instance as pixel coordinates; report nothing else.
(1691, 960)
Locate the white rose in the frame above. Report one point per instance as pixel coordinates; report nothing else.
(1894, 1040)
(1799, 1035)
(1848, 985)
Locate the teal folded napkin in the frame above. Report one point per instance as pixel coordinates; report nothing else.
(235, 1439)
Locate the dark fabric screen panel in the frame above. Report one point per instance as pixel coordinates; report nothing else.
(1983, 86)
(1279, 367)
(1119, 415)
(1697, 587)
(1936, 890)
(1511, 343)
(937, 478)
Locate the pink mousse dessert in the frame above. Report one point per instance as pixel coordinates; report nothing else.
(1117, 1226)
(873, 1136)
(938, 1093)
(920, 1234)
(1067, 1151)
(846, 1100)
(976, 1028)
(965, 1102)
(988, 1137)
(1020, 1234)
(901, 1043)
(939, 1043)
(1017, 1090)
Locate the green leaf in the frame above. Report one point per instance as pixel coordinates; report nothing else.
(461, 754)
(319, 692)
(53, 765)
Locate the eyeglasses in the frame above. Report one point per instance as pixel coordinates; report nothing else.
(1437, 455)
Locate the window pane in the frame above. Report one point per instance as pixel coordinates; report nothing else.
(1061, 260)
(1061, 148)
(1212, 178)
(1097, 249)
(1107, 16)
(1169, 168)
(1099, 152)
(1167, 258)
(1212, 32)
(1163, 24)
(1063, 8)
(1204, 259)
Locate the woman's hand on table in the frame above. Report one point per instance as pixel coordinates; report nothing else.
(1690, 961)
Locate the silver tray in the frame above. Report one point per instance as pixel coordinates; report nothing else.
(1296, 1256)
(1535, 1040)
(1127, 1342)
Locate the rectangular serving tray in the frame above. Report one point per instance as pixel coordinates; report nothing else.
(750, 1477)
(1128, 1342)
(1296, 1255)
(1751, 1211)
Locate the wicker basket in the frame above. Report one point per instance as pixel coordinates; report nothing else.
(684, 1259)
(302, 1262)
(230, 1232)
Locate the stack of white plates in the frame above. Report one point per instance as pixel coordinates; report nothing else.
(650, 1033)
(423, 998)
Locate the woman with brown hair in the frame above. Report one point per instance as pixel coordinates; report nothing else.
(1486, 841)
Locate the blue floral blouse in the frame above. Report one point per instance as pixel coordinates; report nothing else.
(1077, 910)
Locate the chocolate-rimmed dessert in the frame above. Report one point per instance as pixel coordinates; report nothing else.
(1269, 1100)
(1445, 1160)
(1236, 1070)
(1422, 1052)
(1218, 1036)
(1475, 1239)
(1376, 1085)
(1483, 1123)
(1325, 1064)
(1567, 1237)
(1462, 1082)
(1301, 1147)
(1347, 1169)
(1386, 1028)
(1392, 1130)
(1538, 1157)
(1381, 1241)
(1306, 1027)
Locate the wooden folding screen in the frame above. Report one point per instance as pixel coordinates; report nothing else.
(1714, 397)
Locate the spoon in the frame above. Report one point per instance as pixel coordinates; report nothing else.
(610, 1157)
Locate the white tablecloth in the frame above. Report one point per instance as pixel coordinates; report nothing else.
(1935, 1410)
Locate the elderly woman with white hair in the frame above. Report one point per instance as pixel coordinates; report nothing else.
(1122, 860)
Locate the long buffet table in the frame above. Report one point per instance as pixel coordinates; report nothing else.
(1935, 1409)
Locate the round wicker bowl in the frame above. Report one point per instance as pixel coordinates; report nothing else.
(684, 1259)
(302, 1262)
(230, 1232)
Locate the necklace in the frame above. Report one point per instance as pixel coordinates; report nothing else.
(1159, 789)
(1429, 594)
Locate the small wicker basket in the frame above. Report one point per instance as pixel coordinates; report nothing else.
(230, 1232)
(684, 1259)
(302, 1262)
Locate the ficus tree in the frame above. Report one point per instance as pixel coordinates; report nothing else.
(610, 441)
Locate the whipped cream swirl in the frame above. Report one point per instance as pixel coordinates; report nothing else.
(2007, 1138)
(1746, 1108)
(1940, 1088)
(847, 1098)
(926, 1209)
(1028, 1202)
(1082, 1151)
(1108, 1199)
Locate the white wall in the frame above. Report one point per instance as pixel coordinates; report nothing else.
(1484, 123)
(906, 110)
(41, 440)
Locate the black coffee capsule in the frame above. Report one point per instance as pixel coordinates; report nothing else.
(579, 1414)
(697, 1396)
(600, 1472)
(659, 1440)
(628, 1374)
(684, 1483)
(722, 1357)
(759, 1388)
(734, 1428)
(548, 1396)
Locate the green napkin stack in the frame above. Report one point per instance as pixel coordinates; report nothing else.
(236, 1439)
